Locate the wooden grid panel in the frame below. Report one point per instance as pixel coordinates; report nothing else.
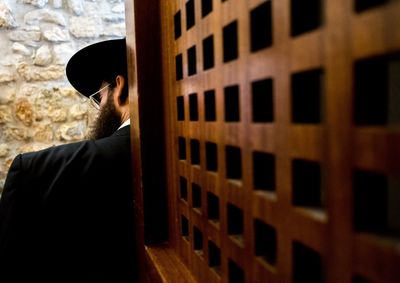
(281, 143)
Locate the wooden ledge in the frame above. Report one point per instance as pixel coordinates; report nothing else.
(165, 266)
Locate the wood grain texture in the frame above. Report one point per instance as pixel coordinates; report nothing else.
(314, 203)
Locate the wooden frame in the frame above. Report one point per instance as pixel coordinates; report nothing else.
(280, 176)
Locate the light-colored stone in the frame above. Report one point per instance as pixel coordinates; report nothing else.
(119, 8)
(43, 56)
(22, 35)
(7, 95)
(47, 97)
(20, 49)
(78, 111)
(36, 3)
(70, 93)
(114, 30)
(7, 75)
(12, 60)
(76, 6)
(86, 27)
(6, 16)
(56, 34)
(24, 111)
(43, 133)
(28, 90)
(57, 4)
(71, 132)
(5, 114)
(31, 28)
(8, 162)
(14, 133)
(44, 15)
(4, 149)
(114, 18)
(34, 73)
(62, 53)
(58, 115)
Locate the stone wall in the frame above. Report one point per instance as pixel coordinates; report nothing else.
(38, 107)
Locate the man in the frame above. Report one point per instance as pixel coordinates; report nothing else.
(66, 212)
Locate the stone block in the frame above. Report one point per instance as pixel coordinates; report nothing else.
(23, 35)
(86, 27)
(7, 19)
(44, 15)
(43, 56)
(76, 6)
(24, 111)
(20, 49)
(36, 3)
(56, 34)
(71, 131)
(34, 73)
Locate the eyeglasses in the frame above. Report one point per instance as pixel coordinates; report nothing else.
(95, 98)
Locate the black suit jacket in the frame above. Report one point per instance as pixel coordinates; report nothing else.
(66, 214)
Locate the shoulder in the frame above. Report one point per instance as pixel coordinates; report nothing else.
(84, 151)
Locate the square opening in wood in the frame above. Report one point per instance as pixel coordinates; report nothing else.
(196, 195)
(178, 67)
(177, 25)
(184, 226)
(362, 5)
(307, 264)
(377, 91)
(307, 183)
(265, 241)
(232, 104)
(212, 207)
(305, 18)
(211, 156)
(180, 107)
(191, 55)
(261, 26)
(264, 171)
(193, 107)
(197, 240)
(376, 203)
(210, 114)
(230, 41)
(182, 148)
(183, 188)
(214, 255)
(359, 279)
(235, 272)
(206, 7)
(262, 101)
(235, 220)
(195, 152)
(208, 52)
(190, 15)
(233, 162)
(307, 91)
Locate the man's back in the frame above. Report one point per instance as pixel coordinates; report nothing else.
(66, 214)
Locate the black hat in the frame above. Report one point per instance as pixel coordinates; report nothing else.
(90, 66)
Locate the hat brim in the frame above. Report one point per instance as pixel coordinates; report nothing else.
(90, 66)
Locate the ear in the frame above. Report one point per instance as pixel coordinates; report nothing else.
(120, 83)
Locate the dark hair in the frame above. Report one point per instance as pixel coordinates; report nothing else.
(113, 84)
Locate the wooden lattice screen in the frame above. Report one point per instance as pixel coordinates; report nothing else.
(282, 139)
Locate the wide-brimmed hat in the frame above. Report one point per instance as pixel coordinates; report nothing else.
(91, 65)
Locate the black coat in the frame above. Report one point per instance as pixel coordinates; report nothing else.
(66, 214)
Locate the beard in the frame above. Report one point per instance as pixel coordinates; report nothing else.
(107, 122)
